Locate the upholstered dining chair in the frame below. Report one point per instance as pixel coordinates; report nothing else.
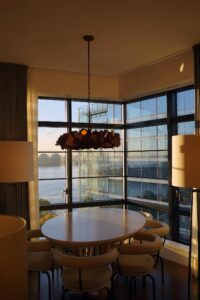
(86, 274)
(135, 259)
(40, 257)
(146, 214)
(161, 229)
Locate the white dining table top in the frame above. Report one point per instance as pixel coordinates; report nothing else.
(92, 226)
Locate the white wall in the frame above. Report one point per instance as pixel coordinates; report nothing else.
(68, 84)
(158, 77)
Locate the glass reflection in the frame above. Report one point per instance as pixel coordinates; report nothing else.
(99, 112)
(96, 189)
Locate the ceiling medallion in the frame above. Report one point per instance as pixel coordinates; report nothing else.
(88, 138)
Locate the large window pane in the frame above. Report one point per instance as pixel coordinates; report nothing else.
(163, 192)
(147, 138)
(134, 164)
(52, 191)
(99, 112)
(47, 138)
(185, 102)
(97, 163)
(154, 108)
(186, 127)
(149, 164)
(96, 189)
(163, 166)
(133, 140)
(134, 189)
(184, 228)
(52, 110)
(51, 165)
(149, 191)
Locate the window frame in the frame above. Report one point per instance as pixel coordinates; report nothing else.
(171, 121)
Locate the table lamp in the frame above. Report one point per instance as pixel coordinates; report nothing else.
(16, 165)
(186, 174)
(16, 161)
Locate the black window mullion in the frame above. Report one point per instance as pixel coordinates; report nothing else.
(125, 155)
(69, 161)
(172, 130)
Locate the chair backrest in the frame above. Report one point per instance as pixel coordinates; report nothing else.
(149, 243)
(82, 262)
(157, 227)
(39, 243)
(146, 214)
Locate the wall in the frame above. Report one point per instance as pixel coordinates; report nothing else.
(161, 76)
(68, 84)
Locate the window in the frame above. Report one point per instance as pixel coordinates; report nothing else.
(136, 173)
(147, 156)
(67, 178)
(147, 151)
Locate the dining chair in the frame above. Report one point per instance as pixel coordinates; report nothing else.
(161, 229)
(86, 274)
(40, 258)
(146, 214)
(135, 259)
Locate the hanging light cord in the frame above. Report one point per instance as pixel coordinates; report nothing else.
(89, 80)
(88, 39)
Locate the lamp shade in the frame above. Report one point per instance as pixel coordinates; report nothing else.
(16, 161)
(186, 161)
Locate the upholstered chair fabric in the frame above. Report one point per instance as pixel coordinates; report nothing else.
(86, 274)
(161, 229)
(136, 259)
(40, 257)
(157, 227)
(146, 214)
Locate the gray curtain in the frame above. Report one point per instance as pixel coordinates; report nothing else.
(13, 127)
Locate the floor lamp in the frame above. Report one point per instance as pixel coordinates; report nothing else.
(186, 173)
(16, 165)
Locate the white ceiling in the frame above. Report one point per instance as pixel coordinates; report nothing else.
(128, 34)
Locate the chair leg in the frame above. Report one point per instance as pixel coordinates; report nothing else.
(85, 295)
(49, 284)
(135, 285)
(162, 269)
(130, 287)
(144, 282)
(53, 276)
(154, 285)
(63, 293)
(38, 285)
(111, 290)
(108, 291)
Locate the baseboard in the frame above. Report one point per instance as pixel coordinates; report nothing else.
(176, 252)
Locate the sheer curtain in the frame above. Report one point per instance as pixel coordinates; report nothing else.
(196, 198)
(194, 261)
(32, 115)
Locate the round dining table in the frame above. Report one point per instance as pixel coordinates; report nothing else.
(88, 227)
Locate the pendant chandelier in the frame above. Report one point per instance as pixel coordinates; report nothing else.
(86, 138)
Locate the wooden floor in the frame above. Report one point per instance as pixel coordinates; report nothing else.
(175, 287)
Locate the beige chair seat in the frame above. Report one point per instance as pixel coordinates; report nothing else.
(92, 279)
(40, 257)
(135, 265)
(86, 273)
(38, 261)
